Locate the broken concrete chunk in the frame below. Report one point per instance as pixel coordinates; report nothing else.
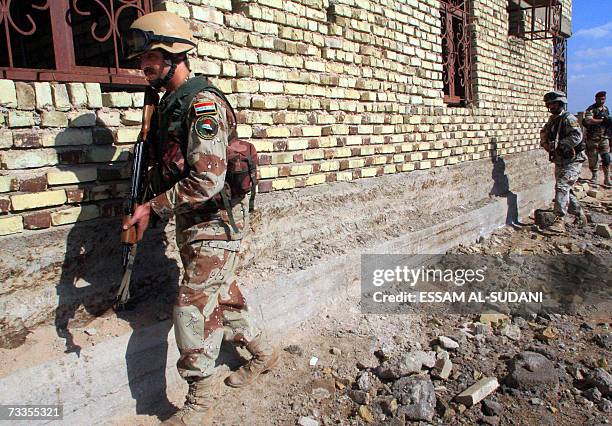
(442, 368)
(416, 396)
(603, 230)
(493, 319)
(478, 391)
(307, 421)
(447, 343)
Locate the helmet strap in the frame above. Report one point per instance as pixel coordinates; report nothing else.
(169, 60)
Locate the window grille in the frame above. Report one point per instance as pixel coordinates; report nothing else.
(456, 51)
(67, 40)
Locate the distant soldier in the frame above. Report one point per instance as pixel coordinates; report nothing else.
(598, 127)
(192, 127)
(561, 137)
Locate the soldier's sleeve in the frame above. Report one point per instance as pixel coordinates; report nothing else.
(544, 134)
(588, 114)
(206, 157)
(572, 136)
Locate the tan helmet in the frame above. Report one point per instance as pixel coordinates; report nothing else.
(157, 30)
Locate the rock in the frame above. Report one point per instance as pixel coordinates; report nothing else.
(442, 369)
(400, 367)
(307, 421)
(360, 397)
(335, 351)
(493, 319)
(604, 340)
(532, 371)
(490, 420)
(544, 218)
(482, 329)
(294, 350)
(447, 343)
(492, 408)
(605, 405)
(592, 394)
(366, 414)
(91, 331)
(416, 397)
(323, 388)
(13, 332)
(478, 391)
(593, 193)
(364, 382)
(389, 406)
(513, 332)
(602, 380)
(603, 230)
(548, 334)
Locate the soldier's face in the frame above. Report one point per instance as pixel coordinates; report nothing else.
(153, 65)
(600, 100)
(554, 107)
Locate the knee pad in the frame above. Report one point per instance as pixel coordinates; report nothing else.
(605, 158)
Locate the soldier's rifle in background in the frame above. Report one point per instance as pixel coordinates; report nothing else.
(137, 186)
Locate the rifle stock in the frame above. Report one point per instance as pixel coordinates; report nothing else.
(129, 237)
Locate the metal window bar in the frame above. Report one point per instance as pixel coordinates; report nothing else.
(456, 51)
(560, 63)
(542, 19)
(36, 26)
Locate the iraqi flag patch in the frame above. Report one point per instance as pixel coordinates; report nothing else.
(205, 108)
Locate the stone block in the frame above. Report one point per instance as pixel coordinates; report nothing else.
(11, 225)
(68, 137)
(5, 183)
(39, 199)
(127, 134)
(94, 95)
(60, 97)
(26, 97)
(6, 139)
(105, 154)
(131, 118)
(27, 139)
(206, 14)
(108, 118)
(20, 118)
(32, 184)
(54, 119)
(76, 175)
(44, 97)
(138, 99)
(74, 214)
(8, 94)
(603, 230)
(117, 100)
(19, 159)
(40, 220)
(82, 119)
(478, 391)
(77, 94)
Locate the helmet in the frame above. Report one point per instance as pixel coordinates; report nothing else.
(157, 30)
(556, 96)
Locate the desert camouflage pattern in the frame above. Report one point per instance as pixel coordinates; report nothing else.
(570, 135)
(565, 179)
(597, 140)
(209, 306)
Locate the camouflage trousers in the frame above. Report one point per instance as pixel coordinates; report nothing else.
(565, 178)
(596, 149)
(209, 307)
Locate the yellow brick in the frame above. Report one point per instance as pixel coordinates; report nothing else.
(302, 169)
(266, 172)
(389, 168)
(282, 158)
(342, 152)
(344, 176)
(398, 158)
(439, 163)
(127, 134)
(424, 165)
(368, 172)
(295, 89)
(11, 225)
(315, 180)
(283, 184)
(357, 162)
(329, 166)
(38, 199)
(379, 159)
(278, 132)
(246, 86)
(295, 144)
(311, 131)
(244, 131)
(263, 146)
(406, 167)
(416, 156)
(74, 214)
(313, 154)
(353, 140)
(60, 177)
(327, 142)
(5, 183)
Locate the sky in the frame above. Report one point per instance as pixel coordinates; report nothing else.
(589, 53)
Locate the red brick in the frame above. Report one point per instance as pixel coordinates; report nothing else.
(329, 154)
(389, 158)
(259, 132)
(331, 177)
(71, 157)
(76, 195)
(279, 118)
(356, 173)
(284, 171)
(280, 145)
(37, 184)
(27, 139)
(264, 159)
(296, 132)
(341, 141)
(355, 152)
(312, 119)
(380, 171)
(113, 208)
(300, 183)
(313, 143)
(37, 220)
(265, 186)
(344, 164)
(241, 117)
(316, 168)
(298, 158)
(353, 130)
(5, 205)
(369, 161)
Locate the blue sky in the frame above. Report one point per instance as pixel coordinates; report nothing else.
(589, 53)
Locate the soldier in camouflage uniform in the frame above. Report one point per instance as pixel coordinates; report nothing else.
(597, 123)
(186, 180)
(561, 137)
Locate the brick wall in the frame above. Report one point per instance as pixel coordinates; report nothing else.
(325, 93)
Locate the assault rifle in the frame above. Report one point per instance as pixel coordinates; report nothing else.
(139, 168)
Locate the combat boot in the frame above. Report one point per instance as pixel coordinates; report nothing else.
(595, 177)
(199, 403)
(265, 357)
(581, 219)
(557, 227)
(607, 181)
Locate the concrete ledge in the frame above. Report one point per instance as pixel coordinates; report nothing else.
(129, 373)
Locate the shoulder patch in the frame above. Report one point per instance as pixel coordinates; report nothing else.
(205, 108)
(206, 127)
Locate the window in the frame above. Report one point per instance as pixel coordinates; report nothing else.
(67, 40)
(560, 63)
(456, 52)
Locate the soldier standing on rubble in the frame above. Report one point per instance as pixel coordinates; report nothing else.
(561, 137)
(186, 179)
(598, 125)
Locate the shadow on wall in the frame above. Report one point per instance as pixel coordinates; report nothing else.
(501, 185)
(91, 273)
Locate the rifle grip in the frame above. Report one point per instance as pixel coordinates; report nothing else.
(129, 235)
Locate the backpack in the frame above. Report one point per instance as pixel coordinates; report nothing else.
(241, 173)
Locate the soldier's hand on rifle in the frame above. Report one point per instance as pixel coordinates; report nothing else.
(140, 219)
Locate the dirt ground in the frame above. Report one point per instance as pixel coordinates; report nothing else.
(345, 385)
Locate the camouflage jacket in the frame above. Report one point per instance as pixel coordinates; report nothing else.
(188, 166)
(596, 132)
(564, 126)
